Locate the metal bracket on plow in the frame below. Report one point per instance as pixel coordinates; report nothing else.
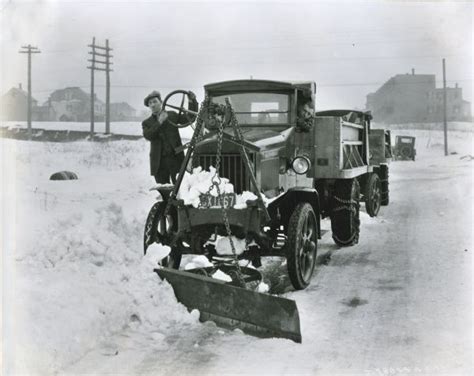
(232, 307)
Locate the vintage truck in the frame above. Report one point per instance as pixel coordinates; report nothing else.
(307, 169)
(404, 148)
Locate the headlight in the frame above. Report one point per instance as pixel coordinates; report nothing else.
(301, 165)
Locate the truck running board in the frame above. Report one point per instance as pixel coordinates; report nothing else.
(231, 307)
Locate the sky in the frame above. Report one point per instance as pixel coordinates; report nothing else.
(349, 48)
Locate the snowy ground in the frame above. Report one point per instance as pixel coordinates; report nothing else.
(79, 298)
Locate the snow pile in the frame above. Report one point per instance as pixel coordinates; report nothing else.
(101, 237)
(224, 247)
(74, 254)
(87, 283)
(220, 275)
(241, 200)
(198, 183)
(198, 262)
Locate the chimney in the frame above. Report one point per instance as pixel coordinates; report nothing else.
(456, 85)
(19, 86)
(413, 71)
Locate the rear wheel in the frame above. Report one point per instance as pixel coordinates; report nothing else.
(156, 229)
(345, 206)
(373, 195)
(301, 247)
(383, 175)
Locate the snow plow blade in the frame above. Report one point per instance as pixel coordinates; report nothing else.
(232, 307)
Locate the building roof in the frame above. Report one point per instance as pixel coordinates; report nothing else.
(72, 92)
(122, 105)
(15, 91)
(256, 85)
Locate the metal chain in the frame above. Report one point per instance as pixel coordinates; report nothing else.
(344, 207)
(215, 182)
(149, 224)
(344, 201)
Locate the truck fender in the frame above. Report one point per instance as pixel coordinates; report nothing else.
(281, 208)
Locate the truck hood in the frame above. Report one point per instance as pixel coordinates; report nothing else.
(262, 139)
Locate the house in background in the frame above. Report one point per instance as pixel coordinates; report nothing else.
(122, 111)
(68, 104)
(73, 104)
(414, 98)
(14, 104)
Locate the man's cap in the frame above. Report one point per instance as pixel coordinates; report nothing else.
(153, 94)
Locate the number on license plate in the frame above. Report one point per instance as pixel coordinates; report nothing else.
(209, 201)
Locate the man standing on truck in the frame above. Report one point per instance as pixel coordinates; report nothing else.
(164, 137)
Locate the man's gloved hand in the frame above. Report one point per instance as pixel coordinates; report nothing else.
(162, 117)
(192, 96)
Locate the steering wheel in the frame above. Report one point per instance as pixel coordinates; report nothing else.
(190, 115)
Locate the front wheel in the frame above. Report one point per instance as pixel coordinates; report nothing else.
(301, 247)
(345, 222)
(156, 230)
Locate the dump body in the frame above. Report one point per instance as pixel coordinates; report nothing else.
(380, 146)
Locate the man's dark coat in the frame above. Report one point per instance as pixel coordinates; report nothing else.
(164, 138)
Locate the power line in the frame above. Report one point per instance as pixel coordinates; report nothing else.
(342, 84)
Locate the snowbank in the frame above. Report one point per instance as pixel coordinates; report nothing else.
(77, 272)
(133, 128)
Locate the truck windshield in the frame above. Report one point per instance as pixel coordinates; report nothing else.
(258, 108)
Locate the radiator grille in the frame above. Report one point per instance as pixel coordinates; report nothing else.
(232, 167)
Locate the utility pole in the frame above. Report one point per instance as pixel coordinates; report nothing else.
(107, 88)
(105, 54)
(29, 50)
(92, 87)
(445, 122)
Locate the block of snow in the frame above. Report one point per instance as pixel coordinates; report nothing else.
(200, 261)
(263, 287)
(200, 181)
(223, 245)
(157, 252)
(219, 274)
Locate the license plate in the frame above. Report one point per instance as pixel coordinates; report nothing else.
(209, 201)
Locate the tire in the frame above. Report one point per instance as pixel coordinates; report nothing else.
(152, 235)
(405, 152)
(373, 195)
(63, 175)
(345, 206)
(301, 246)
(383, 175)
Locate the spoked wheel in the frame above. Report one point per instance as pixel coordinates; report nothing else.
(384, 175)
(373, 195)
(156, 231)
(345, 206)
(182, 110)
(301, 246)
